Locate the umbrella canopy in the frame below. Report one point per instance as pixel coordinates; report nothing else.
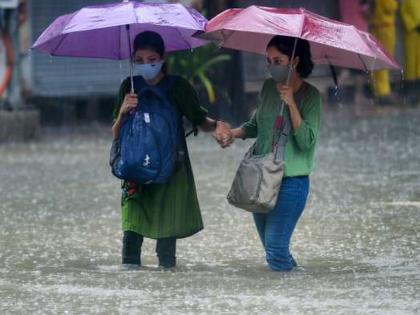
(332, 42)
(101, 32)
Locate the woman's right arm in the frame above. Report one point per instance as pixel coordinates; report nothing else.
(250, 128)
(247, 130)
(129, 103)
(238, 133)
(117, 126)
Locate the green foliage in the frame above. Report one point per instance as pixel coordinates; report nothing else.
(197, 65)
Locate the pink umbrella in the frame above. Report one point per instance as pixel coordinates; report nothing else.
(332, 42)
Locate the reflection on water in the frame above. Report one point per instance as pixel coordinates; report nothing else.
(358, 241)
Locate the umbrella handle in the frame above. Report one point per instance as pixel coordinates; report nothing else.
(130, 59)
(280, 116)
(291, 60)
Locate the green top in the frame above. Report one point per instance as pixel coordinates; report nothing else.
(300, 145)
(170, 209)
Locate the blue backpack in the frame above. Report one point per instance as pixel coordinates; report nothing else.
(150, 138)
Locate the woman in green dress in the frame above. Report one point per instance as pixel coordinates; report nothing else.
(169, 211)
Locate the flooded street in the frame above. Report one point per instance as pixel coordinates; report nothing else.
(358, 240)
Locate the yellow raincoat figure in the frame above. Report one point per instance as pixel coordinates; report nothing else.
(410, 15)
(382, 26)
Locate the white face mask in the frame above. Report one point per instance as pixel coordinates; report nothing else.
(148, 71)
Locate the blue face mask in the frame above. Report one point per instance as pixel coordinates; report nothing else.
(148, 71)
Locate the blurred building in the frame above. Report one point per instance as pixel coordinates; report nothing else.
(63, 76)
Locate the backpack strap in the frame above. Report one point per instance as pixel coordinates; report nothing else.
(140, 86)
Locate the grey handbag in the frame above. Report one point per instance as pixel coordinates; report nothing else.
(257, 182)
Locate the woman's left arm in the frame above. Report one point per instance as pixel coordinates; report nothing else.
(306, 133)
(197, 115)
(209, 125)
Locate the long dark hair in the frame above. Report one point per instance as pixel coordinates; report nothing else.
(284, 44)
(152, 41)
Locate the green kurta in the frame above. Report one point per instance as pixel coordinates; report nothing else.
(171, 209)
(301, 143)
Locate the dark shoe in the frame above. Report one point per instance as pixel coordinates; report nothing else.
(167, 262)
(167, 269)
(129, 267)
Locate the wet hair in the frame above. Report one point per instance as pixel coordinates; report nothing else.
(284, 44)
(149, 40)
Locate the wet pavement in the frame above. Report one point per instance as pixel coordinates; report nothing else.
(358, 240)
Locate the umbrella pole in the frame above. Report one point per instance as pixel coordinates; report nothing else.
(130, 59)
(291, 60)
(290, 71)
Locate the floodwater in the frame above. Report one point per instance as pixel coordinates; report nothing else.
(358, 240)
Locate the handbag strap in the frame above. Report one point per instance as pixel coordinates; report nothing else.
(281, 132)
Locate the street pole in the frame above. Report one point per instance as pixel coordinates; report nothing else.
(9, 20)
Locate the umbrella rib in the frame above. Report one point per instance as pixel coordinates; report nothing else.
(59, 44)
(225, 38)
(373, 64)
(183, 38)
(363, 63)
(333, 72)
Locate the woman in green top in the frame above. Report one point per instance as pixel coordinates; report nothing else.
(302, 113)
(160, 211)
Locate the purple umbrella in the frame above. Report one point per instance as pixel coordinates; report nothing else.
(106, 31)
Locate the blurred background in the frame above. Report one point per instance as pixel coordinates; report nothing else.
(38, 90)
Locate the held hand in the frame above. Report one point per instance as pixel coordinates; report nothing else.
(129, 103)
(286, 94)
(223, 134)
(223, 140)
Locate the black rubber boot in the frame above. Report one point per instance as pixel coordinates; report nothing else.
(166, 250)
(131, 250)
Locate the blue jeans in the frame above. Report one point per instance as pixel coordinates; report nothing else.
(276, 227)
